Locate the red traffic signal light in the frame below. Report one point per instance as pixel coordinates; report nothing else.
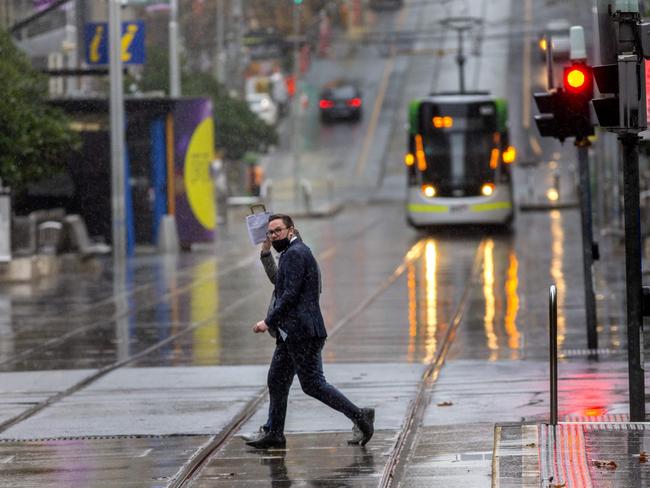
(578, 79)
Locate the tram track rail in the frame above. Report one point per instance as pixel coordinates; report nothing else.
(103, 371)
(405, 441)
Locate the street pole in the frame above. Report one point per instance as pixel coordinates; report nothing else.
(634, 290)
(117, 133)
(174, 69)
(582, 145)
(235, 79)
(219, 58)
(296, 106)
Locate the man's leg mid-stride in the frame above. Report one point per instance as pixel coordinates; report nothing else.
(308, 365)
(279, 379)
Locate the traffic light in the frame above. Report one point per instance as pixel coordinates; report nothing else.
(622, 106)
(550, 121)
(578, 92)
(564, 112)
(607, 107)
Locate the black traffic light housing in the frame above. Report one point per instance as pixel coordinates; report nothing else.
(550, 121)
(607, 107)
(578, 92)
(565, 112)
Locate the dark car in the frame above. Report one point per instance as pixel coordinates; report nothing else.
(340, 100)
(387, 4)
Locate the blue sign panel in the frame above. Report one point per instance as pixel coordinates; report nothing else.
(96, 40)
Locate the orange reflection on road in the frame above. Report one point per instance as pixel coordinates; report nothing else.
(413, 319)
(488, 293)
(431, 290)
(557, 272)
(512, 305)
(412, 255)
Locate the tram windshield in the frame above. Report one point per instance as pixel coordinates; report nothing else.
(460, 144)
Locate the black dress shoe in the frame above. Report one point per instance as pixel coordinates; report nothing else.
(261, 432)
(365, 427)
(272, 440)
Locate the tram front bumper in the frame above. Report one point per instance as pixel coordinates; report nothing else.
(452, 212)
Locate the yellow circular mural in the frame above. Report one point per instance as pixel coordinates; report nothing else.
(198, 183)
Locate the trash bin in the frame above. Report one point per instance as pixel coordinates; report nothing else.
(5, 225)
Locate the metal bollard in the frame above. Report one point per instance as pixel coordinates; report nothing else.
(266, 191)
(552, 312)
(305, 185)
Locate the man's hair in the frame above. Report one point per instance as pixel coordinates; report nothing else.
(286, 220)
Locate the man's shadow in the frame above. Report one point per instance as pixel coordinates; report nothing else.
(362, 463)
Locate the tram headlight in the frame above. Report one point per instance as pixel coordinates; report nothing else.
(429, 191)
(487, 189)
(409, 159)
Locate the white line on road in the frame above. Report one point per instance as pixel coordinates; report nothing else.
(7, 460)
(145, 453)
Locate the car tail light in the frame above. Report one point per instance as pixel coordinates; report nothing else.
(326, 104)
(354, 102)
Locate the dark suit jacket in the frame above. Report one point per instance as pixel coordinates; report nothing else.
(296, 308)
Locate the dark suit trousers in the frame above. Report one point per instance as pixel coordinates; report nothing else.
(304, 359)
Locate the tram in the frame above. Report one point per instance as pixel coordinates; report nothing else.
(458, 161)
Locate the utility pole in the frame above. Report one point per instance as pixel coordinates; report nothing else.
(588, 246)
(174, 67)
(219, 59)
(117, 132)
(237, 20)
(296, 104)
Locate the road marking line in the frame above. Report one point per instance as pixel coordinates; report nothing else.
(379, 101)
(7, 460)
(528, 20)
(145, 453)
(534, 144)
(374, 119)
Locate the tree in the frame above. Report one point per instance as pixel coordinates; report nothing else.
(35, 138)
(237, 129)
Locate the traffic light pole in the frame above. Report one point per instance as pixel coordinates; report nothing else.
(634, 291)
(582, 145)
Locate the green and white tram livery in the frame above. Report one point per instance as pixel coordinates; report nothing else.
(458, 161)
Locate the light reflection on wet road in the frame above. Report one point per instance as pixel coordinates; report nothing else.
(220, 297)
